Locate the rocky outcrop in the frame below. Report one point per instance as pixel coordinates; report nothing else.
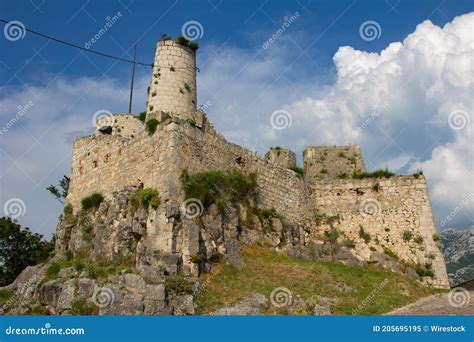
(459, 254)
(124, 259)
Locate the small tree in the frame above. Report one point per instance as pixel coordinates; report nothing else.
(60, 192)
(19, 247)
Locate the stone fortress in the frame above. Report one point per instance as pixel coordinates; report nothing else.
(120, 257)
(121, 155)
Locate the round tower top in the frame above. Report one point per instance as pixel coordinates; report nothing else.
(173, 84)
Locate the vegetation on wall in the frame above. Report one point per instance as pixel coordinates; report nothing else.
(297, 169)
(381, 173)
(219, 187)
(92, 202)
(145, 198)
(150, 126)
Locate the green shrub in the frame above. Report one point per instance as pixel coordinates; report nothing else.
(373, 249)
(267, 213)
(197, 258)
(150, 126)
(177, 284)
(390, 253)
(83, 307)
(191, 121)
(418, 173)
(426, 270)
(341, 154)
(219, 187)
(375, 174)
(342, 175)
(407, 235)
(297, 169)
(68, 256)
(5, 295)
(331, 219)
(332, 235)
(436, 237)
(419, 239)
(349, 243)
(145, 197)
(364, 235)
(92, 201)
(141, 116)
(193, 46)
(53, 270)
(68, 209)
(182, 41)
(323, 171)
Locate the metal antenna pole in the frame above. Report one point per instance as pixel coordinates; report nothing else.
(133, 76)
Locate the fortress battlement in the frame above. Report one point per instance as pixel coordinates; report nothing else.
(324, 196)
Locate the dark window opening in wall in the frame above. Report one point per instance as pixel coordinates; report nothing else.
(359, 191)
(94, 163)
(105, 129)
(240, 161)
(339, 194)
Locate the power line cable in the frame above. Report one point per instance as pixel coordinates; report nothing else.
(83, 48)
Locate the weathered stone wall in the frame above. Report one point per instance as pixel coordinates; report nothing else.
(125, 125)
(281, 157)
(173, 85)
(323, 162)
(280, 188)
(109, 163)
(385, 209)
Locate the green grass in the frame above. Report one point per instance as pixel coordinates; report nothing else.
(94, 269)
(264, 271)
(5, 296)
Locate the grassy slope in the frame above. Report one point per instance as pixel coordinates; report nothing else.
(265, 271)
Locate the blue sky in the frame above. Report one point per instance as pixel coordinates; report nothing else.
(329, 90)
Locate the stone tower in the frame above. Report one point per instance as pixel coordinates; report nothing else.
(173, 83)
